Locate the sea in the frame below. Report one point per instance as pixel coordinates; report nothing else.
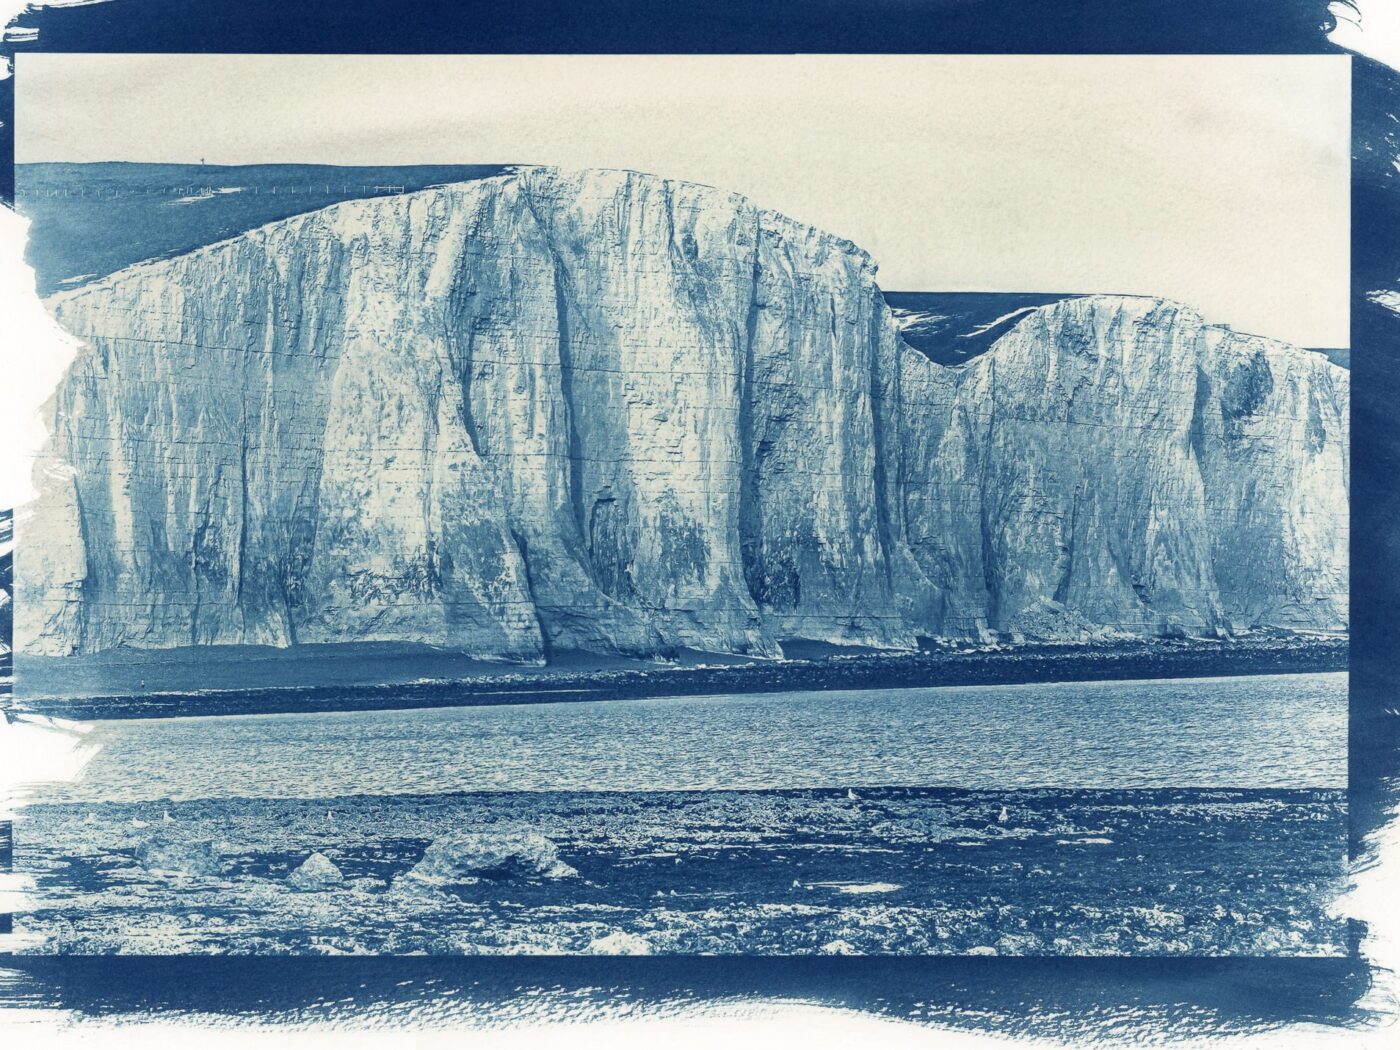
(1201, 817)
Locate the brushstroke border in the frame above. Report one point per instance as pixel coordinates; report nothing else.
(1149, 997)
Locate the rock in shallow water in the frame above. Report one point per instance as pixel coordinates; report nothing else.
(317, 872)
(619, 942)
(467, 856)
(166, 853)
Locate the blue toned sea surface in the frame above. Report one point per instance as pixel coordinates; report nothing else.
(1182, 817)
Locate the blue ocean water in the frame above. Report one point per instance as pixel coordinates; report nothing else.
(1182, 817)
(1248, 732)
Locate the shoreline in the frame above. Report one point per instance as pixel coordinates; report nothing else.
(626, 680)
(892, 871)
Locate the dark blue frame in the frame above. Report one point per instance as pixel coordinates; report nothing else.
(1183, 995)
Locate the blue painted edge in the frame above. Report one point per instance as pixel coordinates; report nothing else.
(1234, 992)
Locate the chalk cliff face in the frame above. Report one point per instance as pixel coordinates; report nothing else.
(607, 411)
(1116, 461)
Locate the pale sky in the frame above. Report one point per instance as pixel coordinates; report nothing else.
(1221, 181)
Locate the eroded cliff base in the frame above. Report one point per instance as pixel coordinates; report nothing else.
(251, 680)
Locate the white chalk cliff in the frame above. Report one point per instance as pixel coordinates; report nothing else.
(606, 411)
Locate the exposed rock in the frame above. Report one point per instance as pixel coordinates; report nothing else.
(167, 853)
(619, 942)
(608, 411)
(469, 856)
(317, 872)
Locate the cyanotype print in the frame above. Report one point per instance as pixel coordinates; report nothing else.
(523, 556)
